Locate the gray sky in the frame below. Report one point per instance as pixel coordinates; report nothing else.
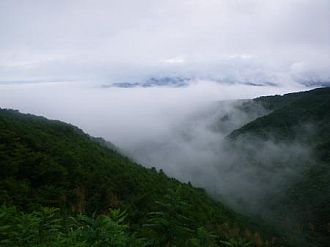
(250, 40)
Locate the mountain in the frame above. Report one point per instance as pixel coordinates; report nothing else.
(184, 81)
(166, 81)
(315, 82)
(288, 111)
(61, 187)
(295, 119)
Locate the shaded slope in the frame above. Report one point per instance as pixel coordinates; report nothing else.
(290, 111)
(53, 164)
(298, 118)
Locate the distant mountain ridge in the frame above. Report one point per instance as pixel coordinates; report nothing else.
(180, 81)
(153, 82)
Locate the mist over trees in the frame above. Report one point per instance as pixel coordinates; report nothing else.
(259, 156)
(266, 158)
(164, 123)
(61, 187)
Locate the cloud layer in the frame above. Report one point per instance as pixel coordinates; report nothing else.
(251, 40)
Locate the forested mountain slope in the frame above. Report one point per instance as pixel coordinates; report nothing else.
(55, 165)
(61, 187)
(297, 119)
(289, 112)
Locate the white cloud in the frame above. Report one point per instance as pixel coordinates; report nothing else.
(173, 60)
(114, 40)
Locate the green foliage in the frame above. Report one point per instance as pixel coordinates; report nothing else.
(102, 198)
(236, 243)
(203, 238)
(47, 228)
(169, 225)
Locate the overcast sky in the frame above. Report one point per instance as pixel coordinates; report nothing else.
(105, 40)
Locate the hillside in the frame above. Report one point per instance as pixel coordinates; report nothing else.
(289, 111)
(61, 187)
(296, 119)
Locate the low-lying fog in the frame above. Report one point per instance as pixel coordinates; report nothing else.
(125, 116)
(180, 130)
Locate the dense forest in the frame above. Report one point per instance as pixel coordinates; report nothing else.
(302, 210)
(62, 187)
